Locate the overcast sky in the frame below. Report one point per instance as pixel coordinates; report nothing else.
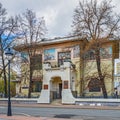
(57, 13)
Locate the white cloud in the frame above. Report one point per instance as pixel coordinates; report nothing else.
(49, 15)
(57, 13)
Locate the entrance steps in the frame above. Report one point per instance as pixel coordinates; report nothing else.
(57, 102)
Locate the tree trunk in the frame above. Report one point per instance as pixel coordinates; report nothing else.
(30, 82)
(4, 71)
(81, 71)
(98, 62)
(103, 88)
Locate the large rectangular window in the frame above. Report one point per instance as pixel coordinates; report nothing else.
(36, 86)
(36, 62)
(64, 56)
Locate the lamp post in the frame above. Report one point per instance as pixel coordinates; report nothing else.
(9, 55)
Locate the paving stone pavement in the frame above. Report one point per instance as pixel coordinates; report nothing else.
(4, 117)
(18, 117)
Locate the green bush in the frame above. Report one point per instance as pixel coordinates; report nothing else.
(12, 87)
(1, 86)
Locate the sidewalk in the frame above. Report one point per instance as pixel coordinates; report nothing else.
(23, 117)
(4, 117)
(80, 106)
(17, 117)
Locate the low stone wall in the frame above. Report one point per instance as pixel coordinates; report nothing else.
(97, 102)
(76, 101)
(19, 100)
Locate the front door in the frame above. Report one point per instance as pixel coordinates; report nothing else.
(56, 87)
(60, 90)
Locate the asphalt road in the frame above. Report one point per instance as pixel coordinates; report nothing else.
(79, 114)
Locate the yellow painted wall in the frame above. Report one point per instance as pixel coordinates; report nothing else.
(88, 70)
(91, 70)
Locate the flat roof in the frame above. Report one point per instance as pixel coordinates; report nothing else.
(21, 43)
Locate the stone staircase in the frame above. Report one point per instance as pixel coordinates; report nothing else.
(56, 102)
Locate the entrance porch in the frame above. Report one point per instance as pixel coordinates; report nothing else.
(55, 88)
(57, 83)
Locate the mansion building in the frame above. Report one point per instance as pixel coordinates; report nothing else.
(60, 72)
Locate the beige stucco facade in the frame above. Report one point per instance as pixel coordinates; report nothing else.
(65, 75)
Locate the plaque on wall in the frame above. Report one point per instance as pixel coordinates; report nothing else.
(66, 84)
(45, 87)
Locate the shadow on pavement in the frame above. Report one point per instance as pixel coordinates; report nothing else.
(64, 116)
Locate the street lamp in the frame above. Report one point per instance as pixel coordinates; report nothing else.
(9, 55)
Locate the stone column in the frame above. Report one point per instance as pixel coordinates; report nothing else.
(67, 97)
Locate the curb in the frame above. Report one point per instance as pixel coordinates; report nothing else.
(66, 106)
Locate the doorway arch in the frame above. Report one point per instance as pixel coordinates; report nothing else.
(55, 88)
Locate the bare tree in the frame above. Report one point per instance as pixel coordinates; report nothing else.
(7, 29)
(97, 21)
(33, 30)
